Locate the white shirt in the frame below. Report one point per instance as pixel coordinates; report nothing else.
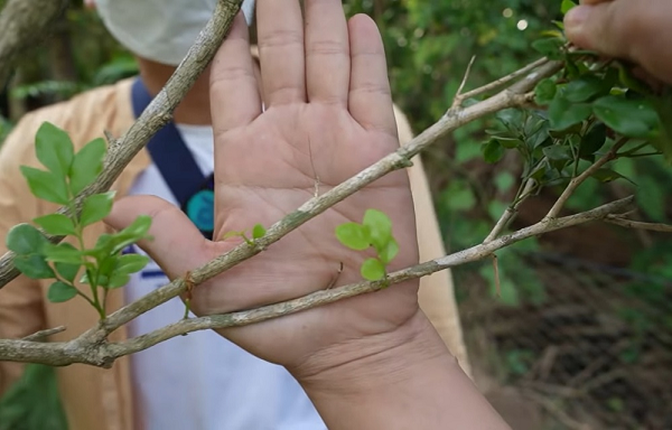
(202, 381)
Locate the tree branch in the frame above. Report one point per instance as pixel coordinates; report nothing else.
(89, 350)
(638, 225)
(24, 24)
(157, 114)
(575, 182)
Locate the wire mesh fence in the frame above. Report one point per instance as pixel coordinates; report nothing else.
(594, 353)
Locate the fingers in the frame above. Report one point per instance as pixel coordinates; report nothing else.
(234, 95)
(635, 30)
(327, 52)
(281, 51)
(370, 100)
(172, 231)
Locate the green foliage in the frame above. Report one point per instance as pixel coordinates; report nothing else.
(32, 403)
(375, 232)
(67, 174)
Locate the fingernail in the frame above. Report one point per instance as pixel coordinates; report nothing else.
(576, 17)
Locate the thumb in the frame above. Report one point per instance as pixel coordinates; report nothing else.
(633, 30)
(177, 245)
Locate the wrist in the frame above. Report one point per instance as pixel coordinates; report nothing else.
(399, 380)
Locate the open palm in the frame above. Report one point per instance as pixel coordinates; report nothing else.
(328, 114)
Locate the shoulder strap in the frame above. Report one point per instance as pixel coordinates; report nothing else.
(169, 153)
(192, 190)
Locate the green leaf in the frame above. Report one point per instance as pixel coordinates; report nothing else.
(258, 231)
(557, 152)
(585, 88)
(87, 165)
(549, 47)
(389, 252)
(67, 271)
(373, 269)
(109, 244)
(493, 151)
(60, 292)
(605, 175)
(46, 185)
(663, 142)
(545, 91)
(566, 6)
(354, 236)
(118, 280)
(130, 263)
(562, 114)
(25, 239)
(96, 207)
(458, 196)
(380, 228)
(33, 266)
(593, 141)
(56, 224)
(62, 253)
(54, 149)
(631, 118)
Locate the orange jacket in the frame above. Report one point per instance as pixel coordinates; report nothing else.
(102, 399)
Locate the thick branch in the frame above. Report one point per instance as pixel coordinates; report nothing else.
(157, 114)
(90, 351)
(24, 24)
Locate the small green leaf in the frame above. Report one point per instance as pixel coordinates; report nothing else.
(25, 239)
(651, 197)
(87, 165)
(54, 149)
(96, 207)
(56, 224)
(258, 231)
(585, 88)
(663, 142)
(46, 185)
(354, 236)
(60, 292)
(67, 271)
(380, 228)
(631, 118)
(373, 269)
(566, 6)
(545, 91)
(557, 152)
(593, 141)
(109, 244)
(458, 196)
(62, 253)
(493, 151)
(607, 175)
(550, 47)
(389, 252)
(130, 263)
(118, 280)
(562, 114)
(33, 266)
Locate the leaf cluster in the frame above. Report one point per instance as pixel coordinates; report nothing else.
(67, 174)
(375, 232)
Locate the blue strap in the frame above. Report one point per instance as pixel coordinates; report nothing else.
(192, 190)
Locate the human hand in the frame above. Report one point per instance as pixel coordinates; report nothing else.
(328, 115)
(636, 30)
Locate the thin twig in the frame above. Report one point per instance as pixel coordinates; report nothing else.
(458, 99)
(575, 182)
(511, 210)
(89, 350)
(638, 225)
(503, 81)
(44, 334)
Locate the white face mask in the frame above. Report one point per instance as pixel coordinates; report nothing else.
(160, 30)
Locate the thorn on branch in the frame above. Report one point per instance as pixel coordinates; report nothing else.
(42, 335)
(621, 221)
